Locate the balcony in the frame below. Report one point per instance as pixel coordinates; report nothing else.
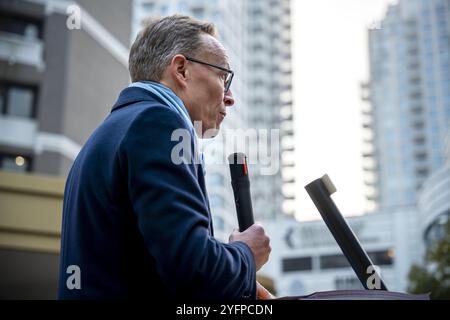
(17, 131)
(370, 168)
(372, 198)
(369, 149)
(289, 180)
(370, 182)
(365, 95)
(288, 148)
(20, 49)
(367, 122)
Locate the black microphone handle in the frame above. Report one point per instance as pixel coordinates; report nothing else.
(241, 189)
(243, 201)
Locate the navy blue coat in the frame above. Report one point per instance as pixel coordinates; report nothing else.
(139, 226)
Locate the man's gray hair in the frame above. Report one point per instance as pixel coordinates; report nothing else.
(160, 40)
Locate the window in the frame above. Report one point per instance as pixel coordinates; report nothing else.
(297, 264)
(422, 172)
(418, 125)
(381, 258)
(337, 261)
(2, 99)
(420, 156)
(15, 163)
(334, 261)
(20, 102)
(17, 100)
(419, 140)
(197, 12)
(148, 7)
(24, 26)
(257, 12)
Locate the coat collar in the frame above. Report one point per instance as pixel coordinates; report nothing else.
(133, 95)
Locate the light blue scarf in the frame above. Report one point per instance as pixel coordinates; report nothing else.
(168, 96)
(173, 102)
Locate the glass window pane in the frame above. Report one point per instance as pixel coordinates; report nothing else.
(15, 164)
(20, 102)
(297, 264)
(197, 12)
(20, 25)
(334, 262)
(2, 99)
(381, 257)
(148, 7)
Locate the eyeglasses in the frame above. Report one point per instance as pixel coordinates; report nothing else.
(229, 77)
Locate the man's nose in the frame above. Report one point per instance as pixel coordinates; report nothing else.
(228, 98)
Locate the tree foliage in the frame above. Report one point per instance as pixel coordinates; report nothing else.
(434, 277)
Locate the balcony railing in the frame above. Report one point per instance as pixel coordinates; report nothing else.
(19, 49)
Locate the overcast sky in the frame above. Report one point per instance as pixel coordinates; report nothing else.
(330, 59)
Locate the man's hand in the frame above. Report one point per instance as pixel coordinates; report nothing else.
(262, 293)
(256, 238)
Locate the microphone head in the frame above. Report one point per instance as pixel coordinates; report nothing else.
(238, 165)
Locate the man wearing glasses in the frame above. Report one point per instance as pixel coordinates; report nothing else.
(136, 221)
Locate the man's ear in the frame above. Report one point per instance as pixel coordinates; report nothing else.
(178, 70)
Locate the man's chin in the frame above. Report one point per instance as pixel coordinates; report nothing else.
(211, 133)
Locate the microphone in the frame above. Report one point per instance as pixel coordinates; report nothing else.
(241, 189)
(320, 191)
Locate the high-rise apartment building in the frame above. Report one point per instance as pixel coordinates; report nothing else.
(408, 112)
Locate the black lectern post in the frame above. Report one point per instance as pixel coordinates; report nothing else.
(320, 191)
